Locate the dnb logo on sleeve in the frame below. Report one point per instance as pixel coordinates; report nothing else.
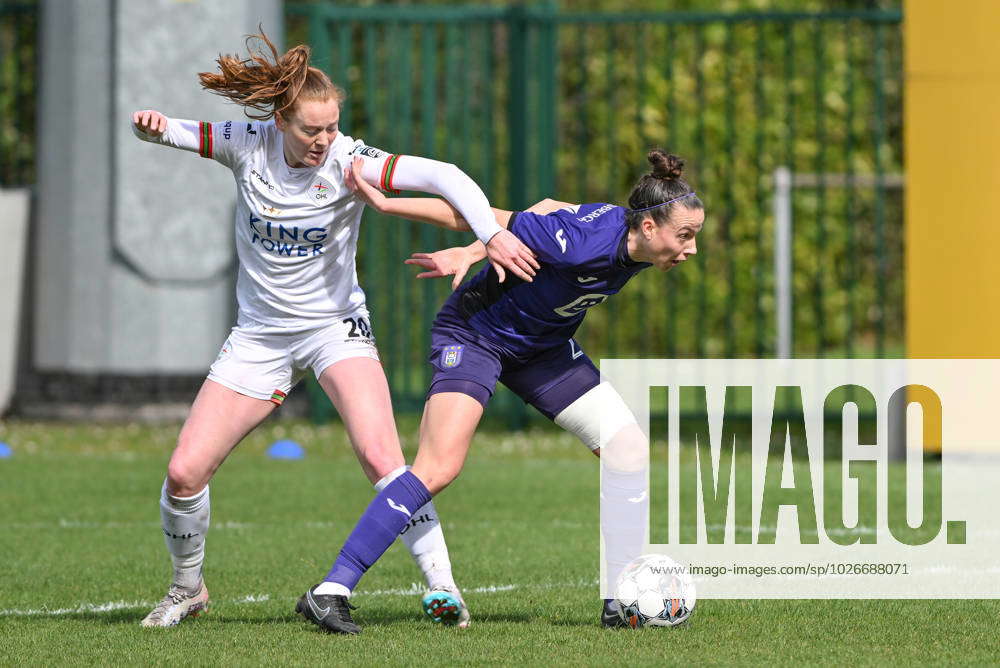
(451, 356)
(369, 151)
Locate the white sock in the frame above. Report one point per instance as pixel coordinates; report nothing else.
(331, 589)
(624, 520)
(185, 523)
(424, 539)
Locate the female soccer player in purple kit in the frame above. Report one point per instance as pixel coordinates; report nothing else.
(519, 333)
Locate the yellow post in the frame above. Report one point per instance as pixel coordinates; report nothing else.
(952, 143)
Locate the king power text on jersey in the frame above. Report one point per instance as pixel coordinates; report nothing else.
(290, 241)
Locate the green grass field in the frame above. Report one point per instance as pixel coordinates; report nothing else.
(83, 561)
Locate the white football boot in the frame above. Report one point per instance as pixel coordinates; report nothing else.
(178, 604)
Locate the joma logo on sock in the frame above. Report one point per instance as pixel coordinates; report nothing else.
(398, 506)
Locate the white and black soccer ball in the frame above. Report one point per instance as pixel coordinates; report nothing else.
(654, 590)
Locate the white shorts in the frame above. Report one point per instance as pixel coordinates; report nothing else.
(266, 361)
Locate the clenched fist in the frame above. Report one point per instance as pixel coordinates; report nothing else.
(153, 123)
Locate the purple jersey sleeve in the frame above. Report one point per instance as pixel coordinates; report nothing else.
(560, 238)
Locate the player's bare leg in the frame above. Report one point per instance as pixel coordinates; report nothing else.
(218, 421)
(445, 434)
(446, 430)
(359, 391)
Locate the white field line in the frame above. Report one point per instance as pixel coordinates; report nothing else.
(218, 526)
(414, 589)
(235, 525)
(64, 523)
(82, 608)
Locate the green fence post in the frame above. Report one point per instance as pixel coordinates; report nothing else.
(517, 107)
(319, 39)
(547, 100)
(879, 141)
(759, 194)
(850, 199)
(790, 149)
(517, 155)
(819, 102)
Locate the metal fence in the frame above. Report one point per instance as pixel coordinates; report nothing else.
(533, 102)
(18, 94)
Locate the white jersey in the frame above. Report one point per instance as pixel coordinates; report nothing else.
(296, 228)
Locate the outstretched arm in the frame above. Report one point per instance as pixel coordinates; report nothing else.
(152, 126)
(457, 261)
(429, 210)
(449, 262)
(465, 201)
(423, 209)
(223, 141)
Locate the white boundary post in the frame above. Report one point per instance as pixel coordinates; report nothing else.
(784, 182)
(783, 260)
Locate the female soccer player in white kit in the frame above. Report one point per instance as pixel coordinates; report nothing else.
(300, 305)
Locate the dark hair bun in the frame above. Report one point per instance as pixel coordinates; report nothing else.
(665, 165)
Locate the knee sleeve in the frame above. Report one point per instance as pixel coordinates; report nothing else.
(597, 416)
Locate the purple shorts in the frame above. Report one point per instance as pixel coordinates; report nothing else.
(550, 381)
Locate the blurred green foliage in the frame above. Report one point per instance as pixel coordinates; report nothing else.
(18, 91)
(737, 99)
(651, 5)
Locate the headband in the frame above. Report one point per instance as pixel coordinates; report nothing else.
(669, 201)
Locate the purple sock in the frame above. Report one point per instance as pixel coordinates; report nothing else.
(378, 527)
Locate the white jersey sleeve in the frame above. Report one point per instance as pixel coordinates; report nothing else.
(393, 173)
(226, 142)
(296, 228)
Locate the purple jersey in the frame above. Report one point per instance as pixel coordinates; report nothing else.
(584, 259)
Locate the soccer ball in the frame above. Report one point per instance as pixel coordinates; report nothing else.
(654, 590)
